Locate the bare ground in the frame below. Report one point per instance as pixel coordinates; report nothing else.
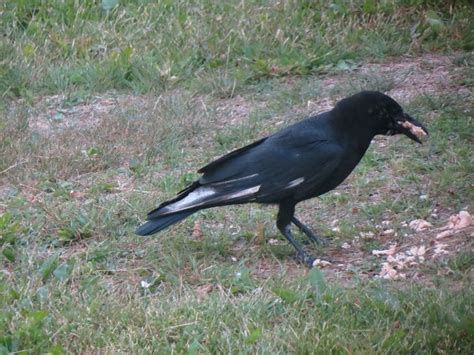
(408, 77)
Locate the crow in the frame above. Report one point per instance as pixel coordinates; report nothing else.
(302, 161)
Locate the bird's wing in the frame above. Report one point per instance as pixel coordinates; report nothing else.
(298, 170)
(215, 164)
(274, 167)
(248, 160)
(292, 161)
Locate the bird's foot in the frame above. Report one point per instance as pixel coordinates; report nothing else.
(309, 233)
(316, 239)
(305, 259)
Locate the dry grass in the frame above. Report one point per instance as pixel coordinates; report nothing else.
(107, 111)
(77, 185)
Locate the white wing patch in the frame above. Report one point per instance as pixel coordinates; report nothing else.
(192, 200)
(294, 183)
(204, 195)
(243, 193)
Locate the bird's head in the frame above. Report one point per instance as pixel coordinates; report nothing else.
(389, 117)
(377, 113)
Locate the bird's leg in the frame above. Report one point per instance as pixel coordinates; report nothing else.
(285, 215)
(300, 253)
(308, 232)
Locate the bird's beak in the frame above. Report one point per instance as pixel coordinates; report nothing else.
(411, 128)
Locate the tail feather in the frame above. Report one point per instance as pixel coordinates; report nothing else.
(154, 225)
(182, 194)
(197, 197)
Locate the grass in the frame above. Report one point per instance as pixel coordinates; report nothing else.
(304, 316)
(83, 157)
(78, 47)
(74, 271)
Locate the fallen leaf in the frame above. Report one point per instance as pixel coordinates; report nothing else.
(419, 225)
(461, 220)
(389, 273)
(445, 234)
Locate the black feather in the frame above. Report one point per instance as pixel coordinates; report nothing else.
(304, 160)
(155, 225)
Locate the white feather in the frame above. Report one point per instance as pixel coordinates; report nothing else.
(204, 195)
(194, 199)
(295, 182)
(234, 180)
(243, 193)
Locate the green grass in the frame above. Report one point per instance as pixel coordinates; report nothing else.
(106, 112)
(306, 315)
(78, 47)
(73, 269)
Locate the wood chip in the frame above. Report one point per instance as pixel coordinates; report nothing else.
(461, 220)
(419, 225)
(389, 251)
(444, 234)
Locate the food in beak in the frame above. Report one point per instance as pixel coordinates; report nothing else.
(415, 130)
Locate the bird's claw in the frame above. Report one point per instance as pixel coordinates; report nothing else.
(316, 239)
(313, 237)
(305, 259)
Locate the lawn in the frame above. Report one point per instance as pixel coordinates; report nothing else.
(109, 107)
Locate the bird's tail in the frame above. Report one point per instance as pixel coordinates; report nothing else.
(193, 198)
(168, 213)
(154, 225)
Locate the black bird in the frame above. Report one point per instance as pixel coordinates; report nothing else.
(304, 160)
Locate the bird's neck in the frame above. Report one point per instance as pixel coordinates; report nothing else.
(353, 130)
